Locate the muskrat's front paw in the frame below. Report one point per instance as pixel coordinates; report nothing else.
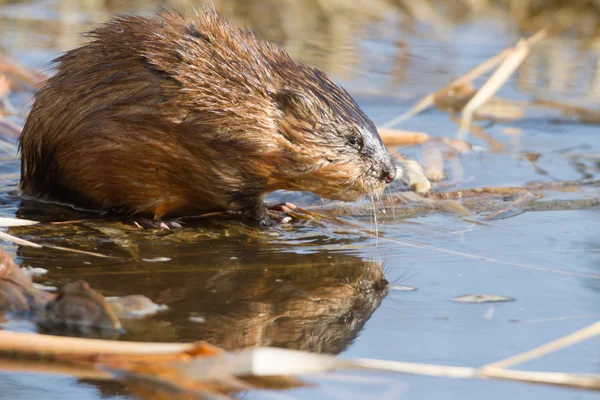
(147, 223)
(261, 215)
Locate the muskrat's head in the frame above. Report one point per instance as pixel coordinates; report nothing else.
(338, 153)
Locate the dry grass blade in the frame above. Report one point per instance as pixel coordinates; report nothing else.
(394, 137)
(590, 382)
(559, 318)
(512, 61)
(583, 114)
(267, 361)
(203, 368)
(88, 253)
(270, 361)
(418, 108)
(13, 239)
(143, 363)
(4, 85)
(155, 366)
(558, 344)
(8, 222)
(512, 206)
(474, 73)
(447, 371)
(49, 367)
(55, 346)
(26, 75)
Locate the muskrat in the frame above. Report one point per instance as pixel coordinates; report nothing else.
(169, 116)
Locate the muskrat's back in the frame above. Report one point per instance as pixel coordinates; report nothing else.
(169, 116)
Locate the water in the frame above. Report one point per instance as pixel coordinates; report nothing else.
(316, 286)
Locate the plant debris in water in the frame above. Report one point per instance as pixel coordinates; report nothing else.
(482, 298)
(340, 301)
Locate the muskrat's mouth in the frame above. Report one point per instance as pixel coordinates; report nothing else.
(340, 181)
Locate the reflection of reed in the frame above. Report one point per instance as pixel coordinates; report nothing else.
(328, 35)
(580, 17)
(556, 69)
(369, 44)
(331, 35)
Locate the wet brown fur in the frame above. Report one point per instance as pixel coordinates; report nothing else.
(170, 116)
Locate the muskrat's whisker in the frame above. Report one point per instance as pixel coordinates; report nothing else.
(404, 182)
(389, 189)
(374, 218)
(380, 202)
(434, 187)
(399, 152)
(380, 197)
(370, 216)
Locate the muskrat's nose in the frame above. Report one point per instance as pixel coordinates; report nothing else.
(388, 174)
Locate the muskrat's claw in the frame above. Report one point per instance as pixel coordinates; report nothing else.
(147, 223)
(282, 207)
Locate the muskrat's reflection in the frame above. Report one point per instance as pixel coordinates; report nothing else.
(233, 286)
(316, 302)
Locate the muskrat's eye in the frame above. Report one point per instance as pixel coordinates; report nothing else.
(356, 141)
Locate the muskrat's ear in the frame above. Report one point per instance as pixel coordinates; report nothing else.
(291, 102)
